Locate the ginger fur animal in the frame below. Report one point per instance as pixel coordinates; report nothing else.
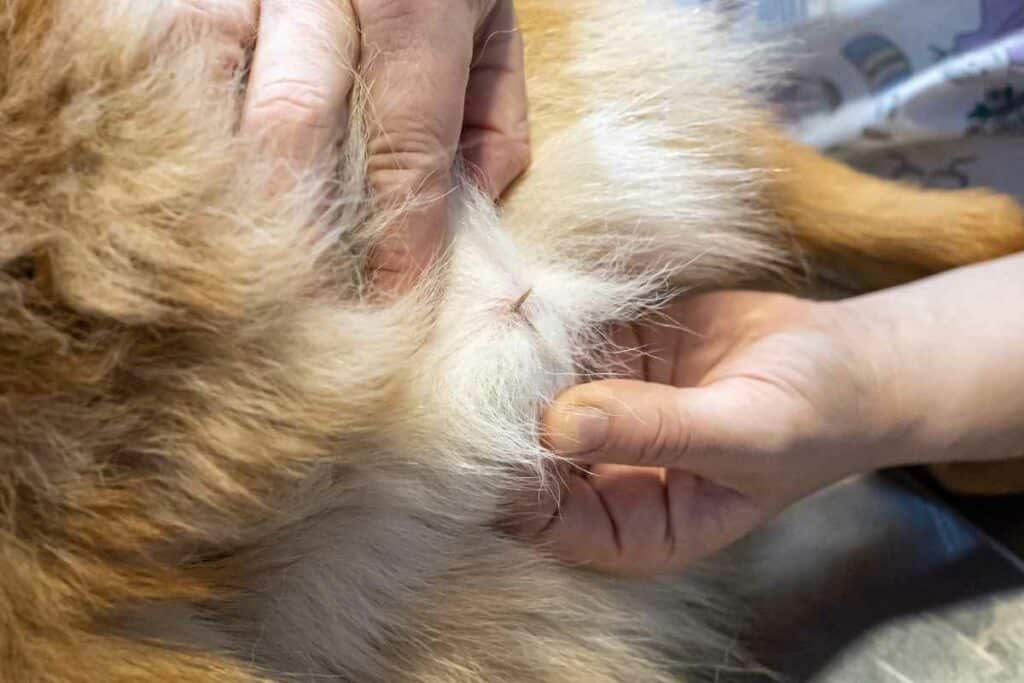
(221, 461)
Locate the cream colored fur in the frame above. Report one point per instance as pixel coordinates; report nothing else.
(222, 462)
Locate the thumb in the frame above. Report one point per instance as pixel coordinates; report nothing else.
(708, 431)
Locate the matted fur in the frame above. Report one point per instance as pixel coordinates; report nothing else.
(220, 462)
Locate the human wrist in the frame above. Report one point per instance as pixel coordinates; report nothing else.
(889, 423)
(864, 422)
(942, 367)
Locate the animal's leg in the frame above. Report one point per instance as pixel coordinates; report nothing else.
(882, 232)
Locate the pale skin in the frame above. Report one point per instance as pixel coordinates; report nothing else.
(440, 83)
(768, 398)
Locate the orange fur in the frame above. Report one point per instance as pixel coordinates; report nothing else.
(883, 232)
(556, 98)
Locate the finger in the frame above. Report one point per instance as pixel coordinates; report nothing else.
(633, 498)
(495, 130)
(645, 351)
(416, 62)
(645, 521)
(724, 429)
(580, 530)
(681, 344)
(704, 517)
(302, 73)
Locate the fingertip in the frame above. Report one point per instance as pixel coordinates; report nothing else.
(573, 430)
(564, 418)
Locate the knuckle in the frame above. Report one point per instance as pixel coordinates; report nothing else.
(291, 102)
(664, 441)
(407, 159)
(668, 438)
(685, 426)
(390, 12)
(404, 10)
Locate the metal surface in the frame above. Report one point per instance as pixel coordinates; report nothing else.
(878, 580)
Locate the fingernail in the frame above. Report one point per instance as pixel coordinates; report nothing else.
(576, 430)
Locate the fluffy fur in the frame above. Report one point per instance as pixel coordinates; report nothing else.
(221, 462)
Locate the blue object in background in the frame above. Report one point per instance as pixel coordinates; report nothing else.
(879, 60)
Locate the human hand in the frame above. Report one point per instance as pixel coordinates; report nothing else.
(748, 401)
(436, 79)
(742, 403)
